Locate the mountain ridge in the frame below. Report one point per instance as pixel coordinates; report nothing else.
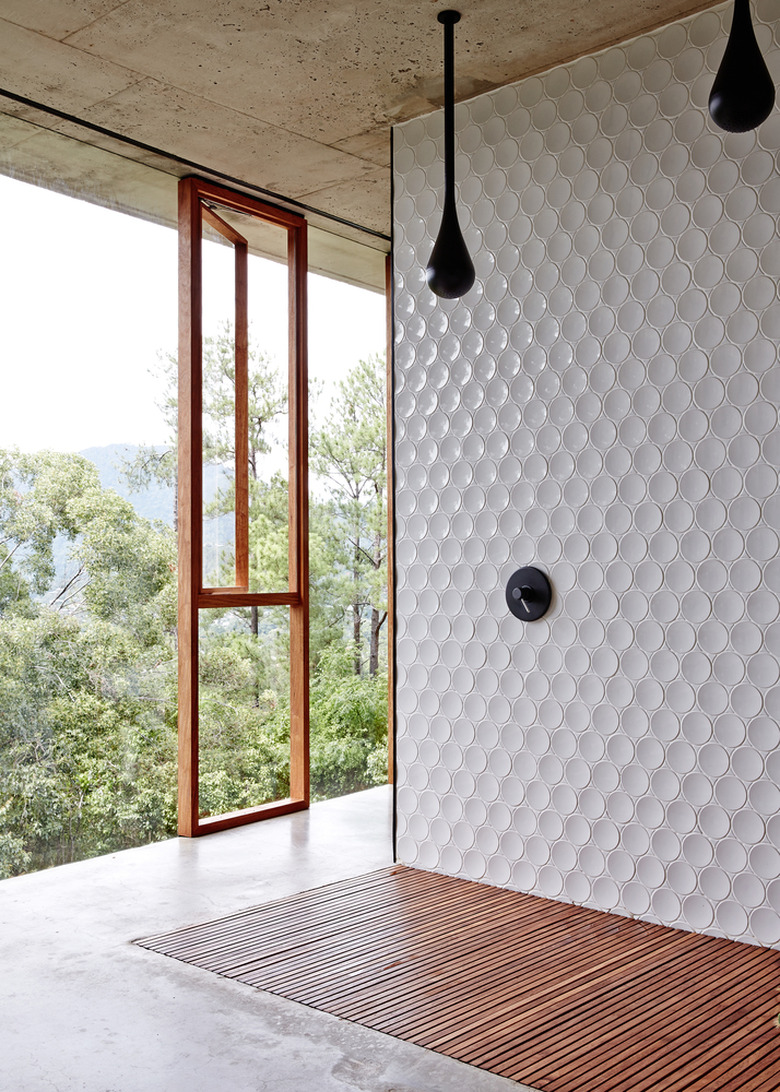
(154, 502)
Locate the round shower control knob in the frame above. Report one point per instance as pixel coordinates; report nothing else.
(528, 594)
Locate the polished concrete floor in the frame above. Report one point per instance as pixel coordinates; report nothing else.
(82, 1008)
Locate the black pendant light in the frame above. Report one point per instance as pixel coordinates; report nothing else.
(743, 94)
(450, 271)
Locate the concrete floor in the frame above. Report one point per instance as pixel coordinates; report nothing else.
(83, 1008)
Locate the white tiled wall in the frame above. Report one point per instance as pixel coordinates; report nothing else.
(603, 403)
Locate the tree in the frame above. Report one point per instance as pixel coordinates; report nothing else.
(159, 463)
(88, 632)
(350, 453)
(349, 719)
(267, 404)
(87, 720)
(36, 492)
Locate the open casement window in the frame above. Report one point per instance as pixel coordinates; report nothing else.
(242, 470)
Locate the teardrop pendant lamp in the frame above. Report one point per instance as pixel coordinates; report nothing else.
(743, 94)
(450, 271)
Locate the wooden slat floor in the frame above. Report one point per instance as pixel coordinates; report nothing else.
(555, 996)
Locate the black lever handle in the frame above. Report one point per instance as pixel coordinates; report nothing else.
(528, 594)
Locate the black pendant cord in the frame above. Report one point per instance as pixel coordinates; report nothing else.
(743, 94)
(448, 19)
(450, 271)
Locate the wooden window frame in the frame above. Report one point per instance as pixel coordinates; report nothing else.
(193, 597)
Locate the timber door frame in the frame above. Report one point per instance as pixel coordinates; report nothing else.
(195, 198)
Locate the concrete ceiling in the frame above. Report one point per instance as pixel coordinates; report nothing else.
(295, 96)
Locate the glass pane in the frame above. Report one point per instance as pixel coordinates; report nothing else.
(219, 285)
(268, 418)
(244, 672)
(268, 425)
(348, 538)
(88, 554)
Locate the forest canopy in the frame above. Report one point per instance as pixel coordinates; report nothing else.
(88, 631)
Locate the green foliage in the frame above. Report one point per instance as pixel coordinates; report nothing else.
(349, 455)
(35, 496)
(267, 400)
(269, 540)
(88, 655)
(348, 728)
(87, 733)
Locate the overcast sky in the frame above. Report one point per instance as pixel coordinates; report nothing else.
(88, 300)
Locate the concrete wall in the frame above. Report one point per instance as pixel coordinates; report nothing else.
(603, 403)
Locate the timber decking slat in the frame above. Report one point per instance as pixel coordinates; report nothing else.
(478, 942)
(759, 1083)
(562, 998)
(274, 925)
(501, 1001)
(636, 1043)
(547, 977)
(657, 1074)
(381, 938)
(633, 1065)
(636, 1028)
(377, 943)
(655, 990)
(468, 955)
(676, 1071)
(390, 879)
